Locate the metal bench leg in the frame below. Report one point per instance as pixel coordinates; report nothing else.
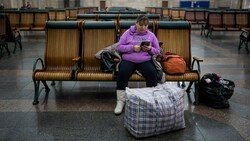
(53, 83)
(19, 43)
(36, 95)
(202, 28)
(241, 42)
(183, 85)
(5, 45)
(37, 91)
(47, 89)
(246, 45)
(178, 84)
(189, 87)
(196, 93)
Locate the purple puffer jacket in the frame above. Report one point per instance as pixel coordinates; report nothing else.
(130, 38)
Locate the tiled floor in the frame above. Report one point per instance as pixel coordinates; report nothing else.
(84, 110)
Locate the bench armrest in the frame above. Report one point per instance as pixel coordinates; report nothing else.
(197, 61)
(35, 64)
(244, 33)
(76, 63)
(244, 30)
(16, 34)
(76, 59)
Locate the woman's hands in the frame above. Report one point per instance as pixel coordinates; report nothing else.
(138, 48)
(146, 48)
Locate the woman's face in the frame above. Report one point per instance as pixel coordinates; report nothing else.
(141, 26)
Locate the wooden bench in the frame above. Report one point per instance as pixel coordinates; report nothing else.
(63, 42)
(195, 16)
(96, 35)
(225, 21)
(7, 34)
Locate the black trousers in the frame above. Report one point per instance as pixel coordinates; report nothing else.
(127, 68)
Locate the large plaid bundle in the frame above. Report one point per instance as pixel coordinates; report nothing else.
(152, 111)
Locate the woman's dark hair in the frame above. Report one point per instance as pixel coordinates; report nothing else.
(142, 17)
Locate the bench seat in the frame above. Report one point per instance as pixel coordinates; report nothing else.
(52, 75)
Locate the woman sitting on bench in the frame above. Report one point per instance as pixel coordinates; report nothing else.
(137, 45)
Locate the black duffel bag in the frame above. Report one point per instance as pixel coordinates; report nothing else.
(215, 91)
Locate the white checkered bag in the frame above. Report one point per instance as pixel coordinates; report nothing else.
(153, 111)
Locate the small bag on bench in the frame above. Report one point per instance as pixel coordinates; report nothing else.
(173, 64)
(107, 61)
(153, 111)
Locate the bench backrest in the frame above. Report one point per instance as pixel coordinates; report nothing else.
(63, 40)
(96, 36)
(190, 15)
(71, 13)
(127, 17)
(87, 17)
(175, 36)
(52, 15)
(14, 17)
(154, 17)
(214, 18)
(81, 10)
(166, 12)
(5, 28)
(108, 17)
(175, 14)
(242, 19)
(182, 13)
(26, 19)
(40, 18)
(61, 15)
(200, 15)
(2, 25)
(228, 18)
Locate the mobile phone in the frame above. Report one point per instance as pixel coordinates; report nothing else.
(147, 43)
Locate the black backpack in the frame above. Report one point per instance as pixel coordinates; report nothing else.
(215, 91)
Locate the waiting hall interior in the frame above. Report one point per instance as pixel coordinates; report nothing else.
(79, 105)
